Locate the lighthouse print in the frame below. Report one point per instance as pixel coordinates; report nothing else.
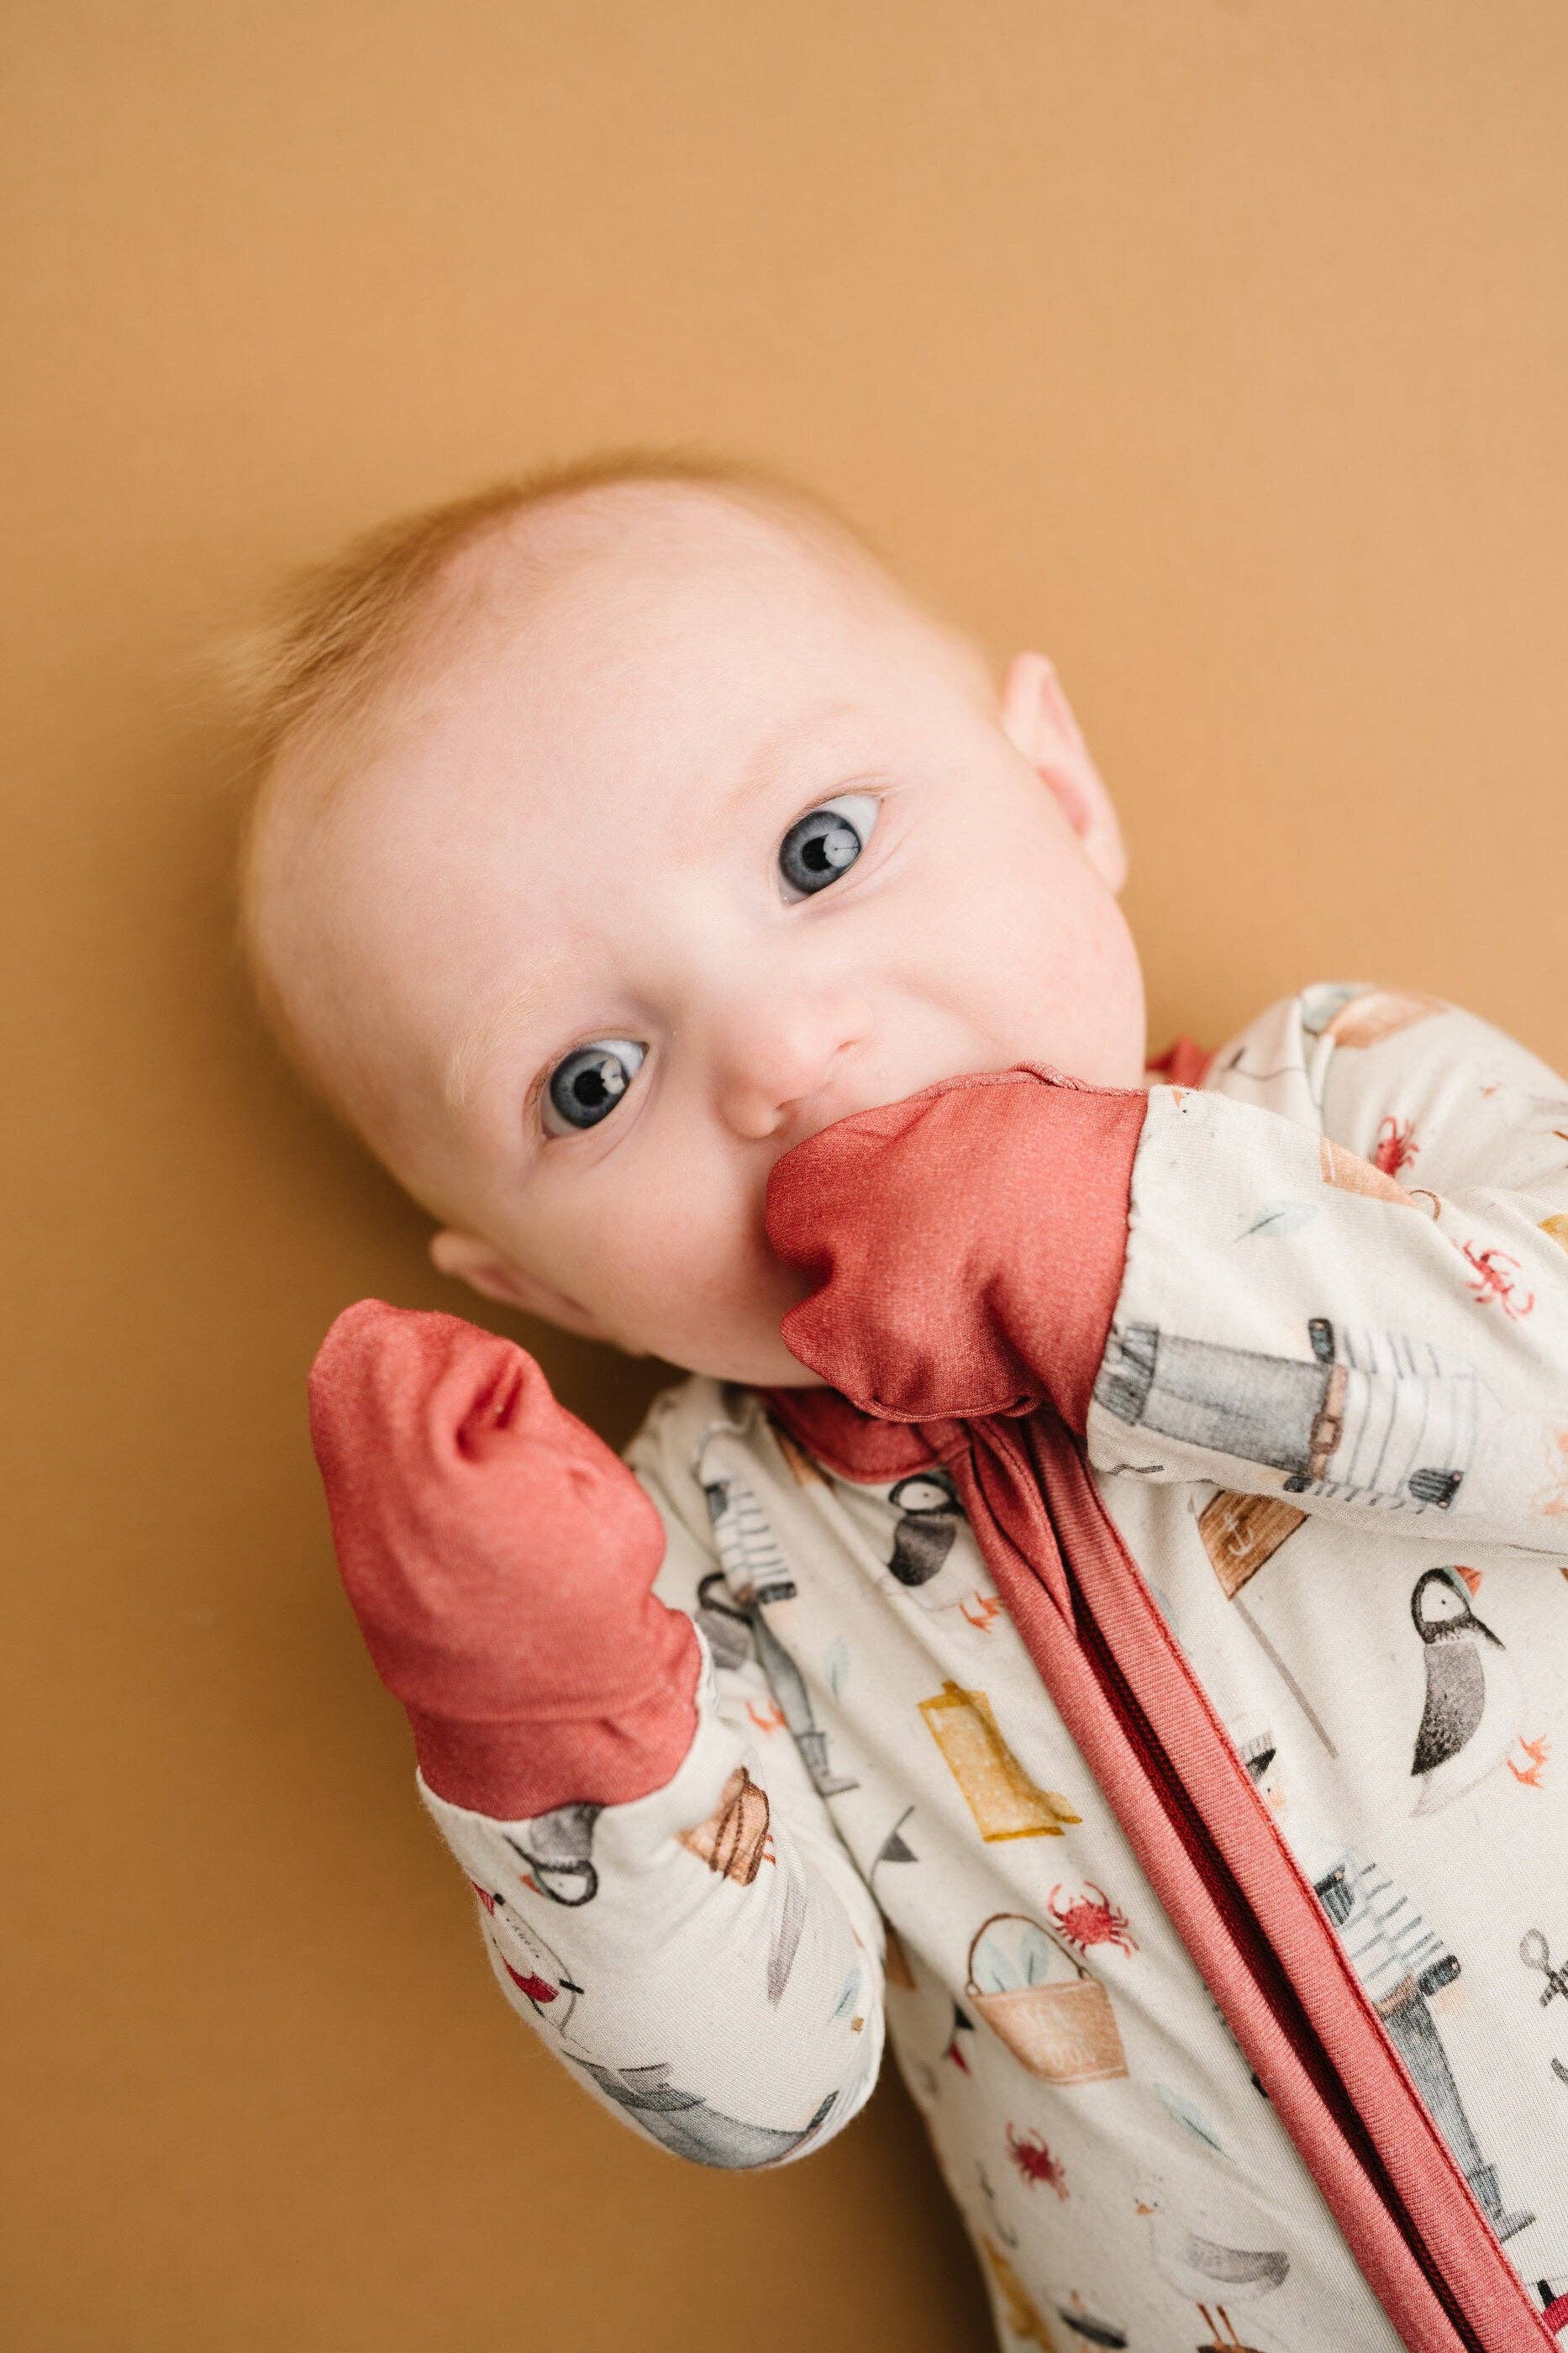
(1374, 1417)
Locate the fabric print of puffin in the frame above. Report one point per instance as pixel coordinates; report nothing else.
(930, 1518)
(1474, 1711)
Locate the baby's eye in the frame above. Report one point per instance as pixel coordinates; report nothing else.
(590, 1082)
(821, 845)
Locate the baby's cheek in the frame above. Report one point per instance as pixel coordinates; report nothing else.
(657, 1272)
(710, 1304)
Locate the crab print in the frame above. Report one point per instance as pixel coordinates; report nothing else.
(1394, 1148)
(1492, 1280)
(1035, 2161)
(1090, 1919)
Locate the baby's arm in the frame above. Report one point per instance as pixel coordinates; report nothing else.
(1213, 1290)
(680, 1925)
(1368, 1319)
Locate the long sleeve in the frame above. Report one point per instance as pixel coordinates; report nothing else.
(705, 1958)
(1357, 1301)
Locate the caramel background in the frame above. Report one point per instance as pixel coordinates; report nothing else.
(1220, 350)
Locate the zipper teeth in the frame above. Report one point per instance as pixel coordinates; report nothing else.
(1284, 2003)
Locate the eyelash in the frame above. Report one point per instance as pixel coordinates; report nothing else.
(534, 1099)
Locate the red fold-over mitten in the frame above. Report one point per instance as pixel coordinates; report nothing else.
(968, 1243)
(500, 1559)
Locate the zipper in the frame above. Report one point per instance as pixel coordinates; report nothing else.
(1034, 1562)
(1062, 1484)
(1272, 1983)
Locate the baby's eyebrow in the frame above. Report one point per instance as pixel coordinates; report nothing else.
(509, 1013)
(761, 767)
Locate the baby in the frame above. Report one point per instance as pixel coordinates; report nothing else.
(1096, 1604)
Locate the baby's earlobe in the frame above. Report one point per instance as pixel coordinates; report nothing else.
(482, 1266)
(452, 1253)
(471, 1259)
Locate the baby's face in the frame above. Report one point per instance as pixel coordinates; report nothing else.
(692, 845)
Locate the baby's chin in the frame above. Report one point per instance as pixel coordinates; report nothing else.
(760, 1361)
(732, 1333)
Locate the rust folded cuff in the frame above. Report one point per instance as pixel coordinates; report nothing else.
(516, 1770)
(1062, 1293)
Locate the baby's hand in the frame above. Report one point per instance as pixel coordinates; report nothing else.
(968, 1244)
(500, 1557)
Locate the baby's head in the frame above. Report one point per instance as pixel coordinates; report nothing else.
(617, 833)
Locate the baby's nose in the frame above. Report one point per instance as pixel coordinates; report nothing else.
(779, 1067)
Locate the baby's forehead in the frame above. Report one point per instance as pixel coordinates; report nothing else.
(679, 581)
(631, 524)
(647, 658)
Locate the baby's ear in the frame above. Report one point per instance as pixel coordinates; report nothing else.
(495, 1276)
(1038, 721)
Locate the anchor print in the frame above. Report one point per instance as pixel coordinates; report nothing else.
(1470, 1722)
(558, 1849)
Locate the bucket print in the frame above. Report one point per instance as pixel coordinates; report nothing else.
(1062, 2030)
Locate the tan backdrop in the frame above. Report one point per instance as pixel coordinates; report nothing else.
(1219, 349)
